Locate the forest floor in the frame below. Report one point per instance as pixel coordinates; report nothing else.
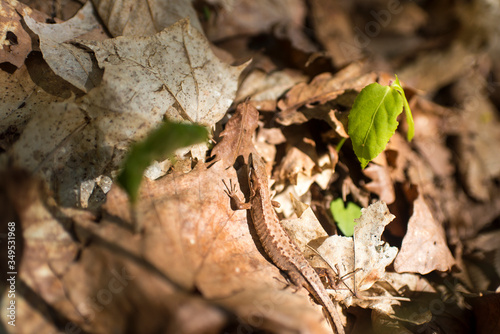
(408, 244)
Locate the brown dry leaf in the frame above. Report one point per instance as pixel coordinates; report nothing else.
(297, 167)
(28, 91)
(480, 160)
(424, 247)
(178, 78)
(44, 251)
(305, 228)
(437, 68)
(365, 258)
(144, 18)
(323, 88)
(381, 183)
(252, 17)
(429, 139)
(237, 136)
(73, 64)
(173, 74)
(334, 30)
(194, 240)
(264, 87)
(14, 40)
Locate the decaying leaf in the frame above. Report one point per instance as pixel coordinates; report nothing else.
(362, 258)
(73, 64)
(322, 88)
(44, 250)
(139, 18)
(424, 247)
(14, 40)
(381, 183)
(22, 97)
(172, 74)
(237, 136)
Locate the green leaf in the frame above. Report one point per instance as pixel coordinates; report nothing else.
(409, 118)
(159, 144)
(372, 120)
(344, 216)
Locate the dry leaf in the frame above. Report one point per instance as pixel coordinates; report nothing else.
(237, 136)
(139, 18)
(73, 64)
(181, 80)
(265, 87)
(334, 31)
(44, 252)
(15, 41)
(173, 74)
(364, 259)
(321, 89)
(305, 228)
(381, 183)
(200, 242)
(23, 95)
(251, 17)
(424, 247)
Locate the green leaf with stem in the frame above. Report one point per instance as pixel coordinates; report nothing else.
(373, 119)
(344, 216)
(158, 145)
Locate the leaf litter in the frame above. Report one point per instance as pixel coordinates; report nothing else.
(196, 266)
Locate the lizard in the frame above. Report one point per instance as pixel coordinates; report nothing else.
(284, 253)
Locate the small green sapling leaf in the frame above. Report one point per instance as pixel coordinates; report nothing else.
(373, 119)
(344, 216)
(159, 144)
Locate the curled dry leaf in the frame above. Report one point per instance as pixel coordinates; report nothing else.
(306, 227)
(381, 183)
(73, 64)
(424, 247)
(144, 18)
(322, 88)
(15, 41)
(237, 136)
(297, 167)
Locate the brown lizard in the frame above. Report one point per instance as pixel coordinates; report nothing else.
(277, 244)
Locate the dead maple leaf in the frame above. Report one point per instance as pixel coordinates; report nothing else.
(132, 18)
(424, 247)
(171, 74)
(181, 79)
(23, 95)
(73, 64)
